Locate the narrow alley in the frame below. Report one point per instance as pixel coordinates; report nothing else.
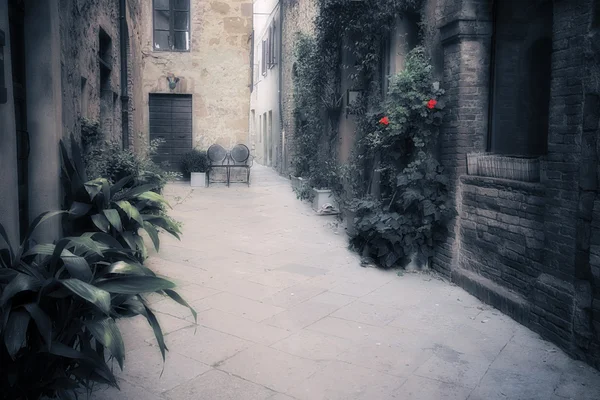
(285, 311)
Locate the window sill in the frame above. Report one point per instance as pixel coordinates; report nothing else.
(533, 188)
(513, 168)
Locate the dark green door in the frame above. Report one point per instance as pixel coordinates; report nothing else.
(171, 121)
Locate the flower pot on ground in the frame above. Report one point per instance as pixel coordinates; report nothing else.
(195, 165)
(322, 197)
(198, 179)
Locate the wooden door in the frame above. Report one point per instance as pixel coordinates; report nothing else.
(171, 121)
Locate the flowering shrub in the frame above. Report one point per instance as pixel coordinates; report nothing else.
(413, 205)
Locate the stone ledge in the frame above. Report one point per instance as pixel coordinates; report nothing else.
(509, 302)
(529, 188)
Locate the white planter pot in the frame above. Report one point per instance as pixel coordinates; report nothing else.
(321, 197)
(198, 179)
(298, 184)
(349, 216)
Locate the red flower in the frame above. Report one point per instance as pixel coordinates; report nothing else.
(384, 121)
(431, 104)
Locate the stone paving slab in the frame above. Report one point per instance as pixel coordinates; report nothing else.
(286, 312)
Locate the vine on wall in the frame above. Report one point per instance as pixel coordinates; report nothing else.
(393, 182)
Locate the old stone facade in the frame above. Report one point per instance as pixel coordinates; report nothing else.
(62, 63)
(212, 69)
(527, 248)
(522, 79)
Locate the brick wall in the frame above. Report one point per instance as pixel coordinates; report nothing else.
(465, 32)
(502, 231)
(532, 250)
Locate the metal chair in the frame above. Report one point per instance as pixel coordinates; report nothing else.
(239, 157)
(217, 158)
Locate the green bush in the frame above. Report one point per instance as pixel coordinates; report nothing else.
(109, 160)
(58, 309)
(121, 209)
(194, 161)
(413, 207)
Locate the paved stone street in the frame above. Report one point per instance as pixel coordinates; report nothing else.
(285, 311)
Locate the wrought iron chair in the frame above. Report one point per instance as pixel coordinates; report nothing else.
(239, 157)
(218, 158)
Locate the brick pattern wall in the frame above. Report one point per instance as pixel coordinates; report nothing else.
(465, 37)
(564, 139)
(532, 250)
(502, 231)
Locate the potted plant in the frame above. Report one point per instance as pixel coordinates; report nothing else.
(323, 180)
(195, 165)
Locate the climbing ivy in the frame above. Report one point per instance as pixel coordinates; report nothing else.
(393, 180)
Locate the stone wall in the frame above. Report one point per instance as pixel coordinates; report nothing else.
(216, 71)
(80, 25)
(298, 17)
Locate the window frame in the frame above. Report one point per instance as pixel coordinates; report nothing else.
(264, 46)
(272, 61)
(172, 29)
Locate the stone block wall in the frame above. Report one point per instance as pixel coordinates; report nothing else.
(216, 70)
(80, 25)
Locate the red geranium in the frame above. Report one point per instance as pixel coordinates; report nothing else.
(384, 121)
(431, 104)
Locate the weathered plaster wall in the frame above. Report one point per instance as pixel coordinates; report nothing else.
(216, 70)
(265, 95)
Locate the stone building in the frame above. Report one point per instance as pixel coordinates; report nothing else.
(521, 80)
(196, 74)
(60, 61)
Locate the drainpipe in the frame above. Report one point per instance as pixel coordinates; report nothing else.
(283, 152)
(123, 36)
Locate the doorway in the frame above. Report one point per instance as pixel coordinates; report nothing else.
(171, 121)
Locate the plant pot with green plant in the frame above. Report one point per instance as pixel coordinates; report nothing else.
(195, 166)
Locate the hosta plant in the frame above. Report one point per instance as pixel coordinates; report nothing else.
(58, 309)
(121, 210)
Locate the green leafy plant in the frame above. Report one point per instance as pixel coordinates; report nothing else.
(413, 206)
(121, 210)
(59, 304)
(110, 161)
(194, 161)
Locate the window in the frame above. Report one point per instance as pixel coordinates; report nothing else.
(263, 67)
(272, 59)
(520, 95)
(172, 25)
